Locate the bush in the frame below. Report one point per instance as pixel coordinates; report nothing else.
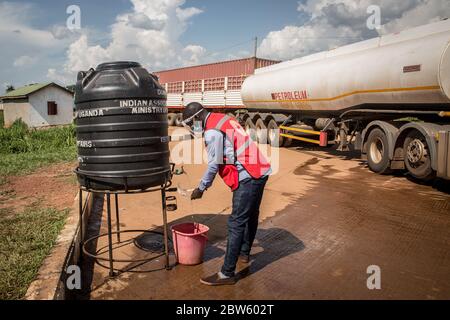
(20, 139)
(23, 149)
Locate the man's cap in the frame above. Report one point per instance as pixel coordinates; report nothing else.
(190, 111)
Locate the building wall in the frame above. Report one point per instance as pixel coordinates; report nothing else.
(34, 112)
(39, 114)
(16, 110)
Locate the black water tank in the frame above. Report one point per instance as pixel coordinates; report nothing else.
(122, 129)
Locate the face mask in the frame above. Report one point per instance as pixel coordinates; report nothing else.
(196, 129)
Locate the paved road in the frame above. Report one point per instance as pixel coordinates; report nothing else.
(325, 219)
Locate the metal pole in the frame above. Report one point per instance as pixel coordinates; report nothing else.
(80, 220)
(166, 232)
(108, 210)
(116, 198)
(254, 55)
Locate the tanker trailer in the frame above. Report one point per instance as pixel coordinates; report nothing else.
(388, 96)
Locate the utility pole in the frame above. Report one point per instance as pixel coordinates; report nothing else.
(254, 53)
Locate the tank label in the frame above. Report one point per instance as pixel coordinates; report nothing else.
(125, 107)
(137, 110)
(141, 103)
(290, 95)
(89, 113)
(84, 144)
(413, 68)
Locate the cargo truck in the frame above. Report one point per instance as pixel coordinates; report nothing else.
(216, 85)
(388, 96)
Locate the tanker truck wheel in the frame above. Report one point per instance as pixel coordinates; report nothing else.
(378, 151)
(287, 142)
(178, 119)
(273, 134)
(250, 129)
(171, 118)
(417, 156)
(261, 131)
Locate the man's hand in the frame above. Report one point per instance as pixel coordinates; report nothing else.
(196, 194)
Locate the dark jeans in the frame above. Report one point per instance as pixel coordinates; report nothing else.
(243, 222)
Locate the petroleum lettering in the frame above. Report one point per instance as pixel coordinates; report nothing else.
(290, 95)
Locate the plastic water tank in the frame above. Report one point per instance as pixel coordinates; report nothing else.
(122, 128)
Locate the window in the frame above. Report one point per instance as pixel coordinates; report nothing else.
(52, 108)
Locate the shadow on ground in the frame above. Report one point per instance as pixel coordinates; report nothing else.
(271, 244)
(331, 152)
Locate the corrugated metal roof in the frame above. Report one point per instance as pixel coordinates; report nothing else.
(25, 91)
(213, 70)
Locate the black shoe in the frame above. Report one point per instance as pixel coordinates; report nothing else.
(244, 258)
(215, 280)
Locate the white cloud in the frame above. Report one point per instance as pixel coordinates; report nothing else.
(332, 23)
(25, 46)
(15, 31)
(141, 21)
(60, 32)
(149, 34)
(193, 54)
(24, 61)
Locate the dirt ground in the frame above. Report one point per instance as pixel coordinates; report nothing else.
(325, 218)
(51, 186)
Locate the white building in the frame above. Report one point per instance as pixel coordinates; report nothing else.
(38, 105)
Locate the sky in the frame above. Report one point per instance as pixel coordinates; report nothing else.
(38, 44)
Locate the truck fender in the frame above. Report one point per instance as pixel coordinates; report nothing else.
(390, 131)
(429, 131)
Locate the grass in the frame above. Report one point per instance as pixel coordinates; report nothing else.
(23, 150)
(2, 119)
(26, 238)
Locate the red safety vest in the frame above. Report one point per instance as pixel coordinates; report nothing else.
(245, 149)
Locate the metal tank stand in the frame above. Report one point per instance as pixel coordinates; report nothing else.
(165, 187)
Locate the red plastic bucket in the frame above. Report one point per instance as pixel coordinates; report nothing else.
(189, 242)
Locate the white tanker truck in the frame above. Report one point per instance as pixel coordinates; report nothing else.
(389, 96)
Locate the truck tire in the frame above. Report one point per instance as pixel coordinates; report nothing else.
(261, 131)
(171, 118)
(378, 152)
(178, 119)
(287, 142)
(273, 134)
(250, 128)
(417, 156)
